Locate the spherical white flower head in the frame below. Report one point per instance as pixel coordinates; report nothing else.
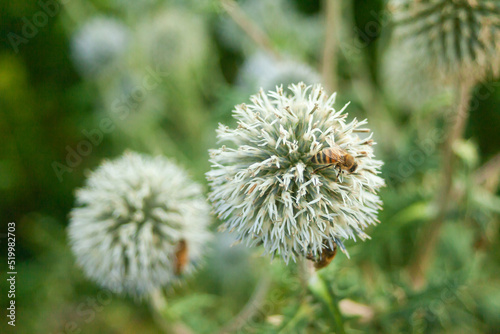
(174, 40)
(262, 70)
(267, 189)
(98, 44)
(130, 220)
(458, 38)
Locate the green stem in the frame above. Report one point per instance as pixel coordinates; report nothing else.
(361, 82)
(323, 292)
(430, 236)
(249, 27)
(303, 314)
(329, 61)
(251, 308)
(158, 306)
(159, 309)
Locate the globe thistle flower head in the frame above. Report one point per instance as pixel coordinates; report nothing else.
(98, 44)
(458, 38)
(267, 190)
(131, 218)
(263, 71)
(174, 40)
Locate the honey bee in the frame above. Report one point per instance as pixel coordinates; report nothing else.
(326, 256)
(337, 157)
(181, 257)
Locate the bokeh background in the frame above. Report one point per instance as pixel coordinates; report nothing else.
(157, 77)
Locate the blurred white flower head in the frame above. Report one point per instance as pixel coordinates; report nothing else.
(174, 40)
(131, 219)
(261, 70)
(98, 44)
(265, 187)
(454, 38)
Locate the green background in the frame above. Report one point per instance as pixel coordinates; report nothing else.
(46, 103)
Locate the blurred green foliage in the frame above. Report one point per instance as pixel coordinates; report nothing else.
(47, 106)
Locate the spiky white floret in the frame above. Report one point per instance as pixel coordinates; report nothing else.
(129, 219)
(263, 184)
(99, 43)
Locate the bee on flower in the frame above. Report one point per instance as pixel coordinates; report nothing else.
(139, 224)
(276, 182)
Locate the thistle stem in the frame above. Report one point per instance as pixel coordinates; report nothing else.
(249, 27)
(489, 171)
(430, 236)
(329, 61)
(251, 308)
(362, 84)
(159, 306)
(305, 311)
(324, 293)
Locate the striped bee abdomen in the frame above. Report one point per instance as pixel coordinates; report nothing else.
(320, 158)
(328, 156)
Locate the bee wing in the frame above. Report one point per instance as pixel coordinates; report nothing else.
(335, 153)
